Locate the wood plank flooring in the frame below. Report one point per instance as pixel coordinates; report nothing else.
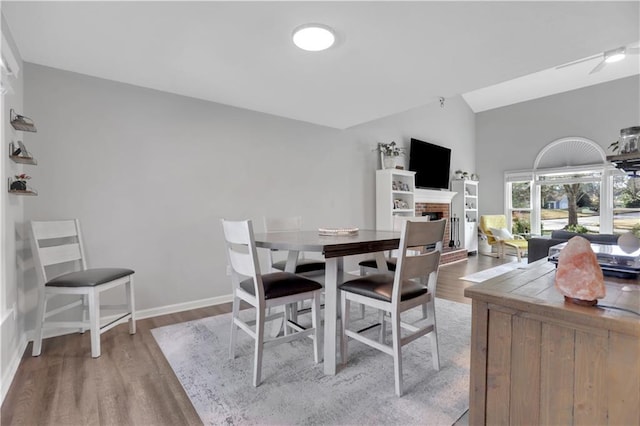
(132, 383)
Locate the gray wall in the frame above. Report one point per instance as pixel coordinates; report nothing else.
(12, 339)
(150, 174)
(511, 137)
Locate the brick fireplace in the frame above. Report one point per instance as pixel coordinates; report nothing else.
(437, 204)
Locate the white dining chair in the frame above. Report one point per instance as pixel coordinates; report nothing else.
(61, 267)
(264, 291)
(291, 224)
(412, 285)
(370, 266)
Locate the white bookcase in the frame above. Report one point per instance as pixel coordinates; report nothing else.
(465, 206)
(395, 190)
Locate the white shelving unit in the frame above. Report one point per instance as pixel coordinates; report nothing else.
(465, 206)
(395, 190)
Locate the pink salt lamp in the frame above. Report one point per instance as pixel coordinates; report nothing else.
(579, 276)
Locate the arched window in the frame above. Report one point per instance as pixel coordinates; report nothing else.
(571, 182)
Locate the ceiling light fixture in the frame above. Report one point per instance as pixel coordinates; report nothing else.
(615, 55)
(313, 37)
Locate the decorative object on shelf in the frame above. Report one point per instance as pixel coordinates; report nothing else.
(18, 185)
(627, 150)
(20, 182)
(475, 177)
(389, 153)
(579, 277)
(19, 154)
(337, 231)
(400, 204)
(629, 140)
(20, 122)
(459, 174)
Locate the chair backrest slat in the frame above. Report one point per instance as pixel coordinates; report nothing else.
(63, 244)
(242, 254)
(54, 229)
(420, 265)
(60, 254)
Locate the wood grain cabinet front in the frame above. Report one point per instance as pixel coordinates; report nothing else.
(536, 359)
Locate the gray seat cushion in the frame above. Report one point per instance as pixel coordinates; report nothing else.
(303, 265)
(380, 286)
(371, 263)
(90, 277)
(280, 284)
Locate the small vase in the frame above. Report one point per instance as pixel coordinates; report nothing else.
(389, 161)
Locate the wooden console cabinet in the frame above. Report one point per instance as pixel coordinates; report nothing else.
(538, 360)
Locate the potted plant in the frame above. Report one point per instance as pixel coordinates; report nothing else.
(20, 182)
(389, 153)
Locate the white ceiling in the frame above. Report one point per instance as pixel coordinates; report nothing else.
(390, 56)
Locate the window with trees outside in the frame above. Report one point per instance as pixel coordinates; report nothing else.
(572, 187)
(519, 202)
(575, 200)
(626, 203)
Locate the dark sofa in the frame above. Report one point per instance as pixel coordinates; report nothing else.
(539, 247)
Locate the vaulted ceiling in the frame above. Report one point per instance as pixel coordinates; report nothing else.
(390, 56)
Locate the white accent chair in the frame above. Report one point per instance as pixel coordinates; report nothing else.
(412, 285)
(57, 246)
(263, 291)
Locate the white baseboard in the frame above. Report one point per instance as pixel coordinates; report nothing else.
(16, 357)
(12, 368)
(181, 307)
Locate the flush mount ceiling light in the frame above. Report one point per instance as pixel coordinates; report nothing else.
(313, 37)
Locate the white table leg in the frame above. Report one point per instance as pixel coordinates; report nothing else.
(333, 274)
(292, 261)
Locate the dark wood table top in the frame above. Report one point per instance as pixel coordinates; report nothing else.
(532, 290)
(366, 241)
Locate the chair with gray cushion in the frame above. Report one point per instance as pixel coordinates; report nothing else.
(412, 285)
(264, 291)
(61, 267)
(291, 224)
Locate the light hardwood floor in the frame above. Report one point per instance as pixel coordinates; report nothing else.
(132, 383)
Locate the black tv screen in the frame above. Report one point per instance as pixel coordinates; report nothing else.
(431, 164)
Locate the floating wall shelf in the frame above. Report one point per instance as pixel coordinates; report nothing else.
(630, 162)
(28, 191)
(22, 123)
(21, 157)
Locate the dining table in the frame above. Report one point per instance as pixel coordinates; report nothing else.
(334, 248)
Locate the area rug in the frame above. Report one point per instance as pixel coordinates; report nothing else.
(294, 390)
(487, 274)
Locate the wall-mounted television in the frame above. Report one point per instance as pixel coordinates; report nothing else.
(431, 164)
